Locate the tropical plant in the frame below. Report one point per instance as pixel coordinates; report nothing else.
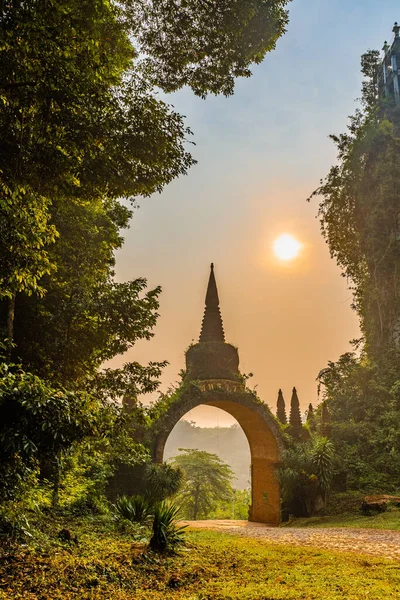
(322, 456)
(45, 424)
(306, 476)
(167, 535)
(207, 480)
(162, 481)
(133, 508)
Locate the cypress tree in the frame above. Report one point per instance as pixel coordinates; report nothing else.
(281, 409)
(325, 420)
(295, 416)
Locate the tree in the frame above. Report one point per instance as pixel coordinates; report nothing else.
(360, 218)
(306, 474)
(281, 409)
(72, 128)
(204, 45)
(364, 424)
(64, 335)
(39, 423)
(207, 480)
(79, 116)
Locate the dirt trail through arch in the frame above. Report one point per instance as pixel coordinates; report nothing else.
(375, 542)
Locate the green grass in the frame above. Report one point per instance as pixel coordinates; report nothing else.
(386, 520)
(108, 564)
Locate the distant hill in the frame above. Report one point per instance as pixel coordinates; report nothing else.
(229, 443)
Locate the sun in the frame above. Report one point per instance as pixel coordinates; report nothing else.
(286, 247)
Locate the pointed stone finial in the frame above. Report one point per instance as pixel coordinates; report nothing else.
(212, 329)
(295, 416)
(396, 30)
(281, 409)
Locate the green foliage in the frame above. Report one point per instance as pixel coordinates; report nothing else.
(14, 525)
(322, 455)
(365, 420)
(218, 565)
(207, 480)
(44, 422)
(359, 215)
(306, 476)
(85, 317)
(162, 481)
(236, 507)
(25, 234)
(229, 443)
(204, 45)
(134, 508)
(167, 535)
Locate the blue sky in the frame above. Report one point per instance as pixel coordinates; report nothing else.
(261, 153)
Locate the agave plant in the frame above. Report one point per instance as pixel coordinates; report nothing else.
(167, 535)
(134, 508)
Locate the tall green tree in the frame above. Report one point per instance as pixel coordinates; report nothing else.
(359, 214)
(206, 481)
(85, 317)
(72, 126)
(78, 114)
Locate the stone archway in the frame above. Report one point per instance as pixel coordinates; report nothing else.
(258, 425)
(212, 377)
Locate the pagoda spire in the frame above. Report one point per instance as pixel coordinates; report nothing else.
(295, 415)
(212, 329)
(281, 409)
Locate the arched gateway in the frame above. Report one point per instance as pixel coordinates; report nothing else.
(213, 378)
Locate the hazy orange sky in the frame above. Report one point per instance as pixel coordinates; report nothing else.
(261, 153)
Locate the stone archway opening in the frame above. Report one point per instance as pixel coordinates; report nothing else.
(261, 432)
(213, 430)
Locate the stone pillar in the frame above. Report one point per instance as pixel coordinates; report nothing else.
(265, 502)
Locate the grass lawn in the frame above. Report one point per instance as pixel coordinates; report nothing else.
(386, 520)
(107, 564)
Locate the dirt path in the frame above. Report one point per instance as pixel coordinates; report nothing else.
(376, 542)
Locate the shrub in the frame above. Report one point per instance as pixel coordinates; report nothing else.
(167, 535)
(135, 509)
(14, 525)
(162, 481)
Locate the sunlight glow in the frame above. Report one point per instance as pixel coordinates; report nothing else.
(286, 247)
